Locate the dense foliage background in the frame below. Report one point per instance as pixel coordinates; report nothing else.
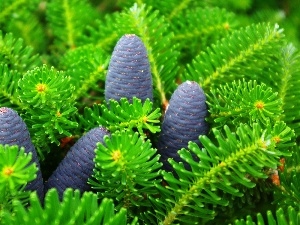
(243, 54)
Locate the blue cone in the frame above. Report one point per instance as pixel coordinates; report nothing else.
(184, 121)
(129, 72)
(77, 166)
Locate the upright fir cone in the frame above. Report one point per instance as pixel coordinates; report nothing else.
(77, 166)
(13, 131)
(184, 121)
(129, 72)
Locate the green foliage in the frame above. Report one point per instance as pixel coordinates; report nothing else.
(236, 56)
(288, 193)
(15, 55)
(212, 24)
(16, 170)
(47, 98)
(238, 158)
(285, 78)
(104, 34)
(43, 88)
(244, 54)
(244, 102)
(173, 8)
(86, 66)
(126, 169)
(123, 116)
(10, 6)
(24, 23)
(67, 21)
(8, 86)
(73, 209)
(281, 217)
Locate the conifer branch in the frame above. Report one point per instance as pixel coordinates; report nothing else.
(126, 167)
(178, 9)
(234, 52)
(123, 115)
(104, 34)
(280, 216)
(47, 95)
(249, 74)
(86, 66)
(289, 79)
(210, 21)
(253, 103)
(73, 209)
(28, 27)
(246, 153)
(8, 8)
(15, 54)
(67, 25)
(16, 170)
(8, 87)
(287, 191)
(70, 29)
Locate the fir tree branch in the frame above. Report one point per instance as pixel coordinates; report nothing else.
(178, 9)
(104, 34)
(15, 55)
(230, 4)
(250, 76)
(280, 217)
(28, 27)
(8, 87)
(203, 22)
(126, 168)
(70, 29)
(283, 75)
(47, 95)
(9, 7)
(206, 25)
(244, 102)
(289, 79)
(235, 54)
(16, 170)
(123, 115)
(86, 66)
(237, 157)
(73, 209)
(287, 192)
(45, 87)
(66, 23)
